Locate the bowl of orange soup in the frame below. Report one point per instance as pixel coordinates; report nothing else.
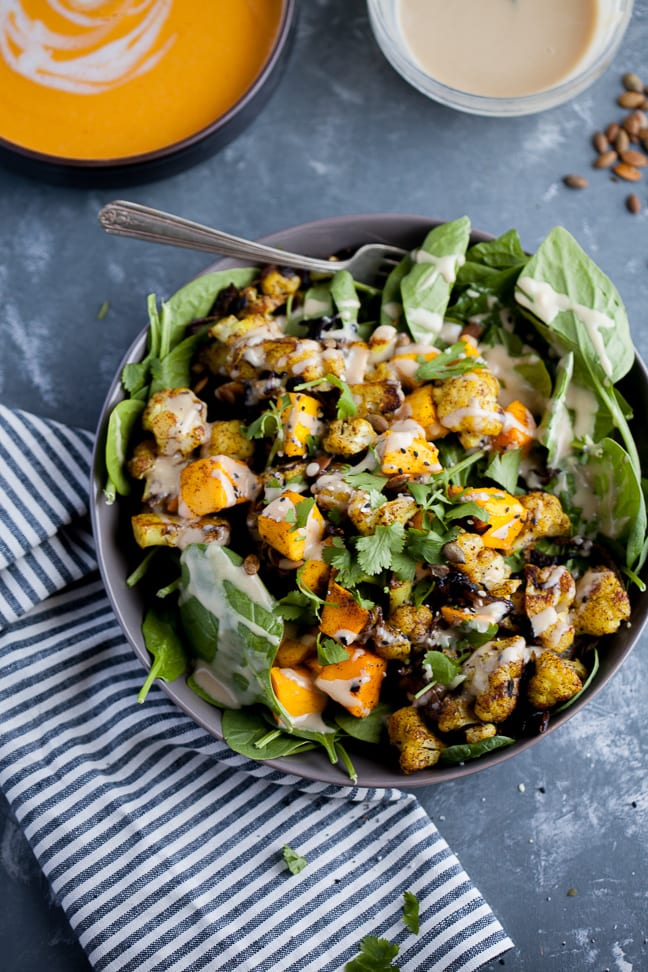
(132, 86)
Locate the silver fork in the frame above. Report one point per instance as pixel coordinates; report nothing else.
(122, 218)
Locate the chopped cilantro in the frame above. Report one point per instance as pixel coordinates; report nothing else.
(376, 551)
(449, 363)
(411, 912)
(294, 861)
(346, 406)
(376, 955)
(504, 469)
(302, 511)
(329, 652)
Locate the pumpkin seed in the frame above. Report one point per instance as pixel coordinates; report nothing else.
(605, 159)
(633, 203)
(632, 82)
(575, 182)
(631, 99)
(638, 159)
(627, 172)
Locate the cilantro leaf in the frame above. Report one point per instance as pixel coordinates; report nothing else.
(349, 572)
(411, 912)
(346, 406)
(450, 363)
(294, 861)
(376, 955)
(329, 652)
(442, 669)
(365, 480)
(303, 508)
(297, 606)
(376, 551)
(504, 469)
(427, 545)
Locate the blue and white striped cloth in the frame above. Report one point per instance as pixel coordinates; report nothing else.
(164, 847)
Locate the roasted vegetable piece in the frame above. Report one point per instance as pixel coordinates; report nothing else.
(601, 602)
(215, 483)
(493, 677)
(468, 406)
(342, 617)
(177, 419)
(156, 529)
(545, 518)
(506, 515)
(519, 428)
(548, 596)
(404, 450)
(279, 525)
(300, 417)
(419, 748)
(296, 691)
(348, 437)
(227, 438)
(554, 680)
(355, 683)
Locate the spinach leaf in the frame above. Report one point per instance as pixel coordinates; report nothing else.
(164, 644)
(576, 307)
(346, 300)
(243, 729)
(501, 253)
(122, 422)
(426, 287)
(391, 306)
(194, 301)
(462, 752)
(370, 728)
(441, 668)
(555, 431)
(239, 668)
(174, 370)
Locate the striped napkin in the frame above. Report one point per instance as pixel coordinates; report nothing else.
(163, 847)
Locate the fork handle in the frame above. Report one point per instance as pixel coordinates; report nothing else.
(123, 218)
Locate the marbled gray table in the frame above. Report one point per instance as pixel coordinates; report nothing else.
(342, 134)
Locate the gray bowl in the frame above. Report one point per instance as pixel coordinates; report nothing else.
(118, 555)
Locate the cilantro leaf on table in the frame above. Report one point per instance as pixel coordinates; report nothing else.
(376, 955)
(411, 912)
(294, 861)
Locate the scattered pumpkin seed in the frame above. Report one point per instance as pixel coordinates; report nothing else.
(605, 159)
(631, 99)
(638, 159)
(633, 203)
(627, 172)
(632, 82)
(601, 143)
(575, 182)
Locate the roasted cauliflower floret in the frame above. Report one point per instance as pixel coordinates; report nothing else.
(419, 748)
(457, 712)
(414, 622)
(227, 438)
(178, 420)
(493, 675)
(546, 518)
(348, 437)
(377, 397)
(482, 565)
(468, 406)
(548, 596)
(554, 680)
(365, 518)
(480, 731)
(156, 530)
(601, 602)
(276, 282)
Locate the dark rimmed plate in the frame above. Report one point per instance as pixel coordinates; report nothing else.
(117, 554)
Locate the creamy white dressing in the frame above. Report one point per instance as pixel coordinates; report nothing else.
(543, 620)
(486, 659)
(340, 690)
(513, 386)
(392, 309)
(546, 303)
(583, 405)
(356, 359)
(345, 636)
(213, 687)
(399, 437)
(427, 319)
(499, 48)
(482, 418)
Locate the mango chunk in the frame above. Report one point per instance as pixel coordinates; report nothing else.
(278, 526)
(300, 418)
(215, 483)
(342, 617)
(355, 683)
(404, 450)
(506, 515)
(296, 691)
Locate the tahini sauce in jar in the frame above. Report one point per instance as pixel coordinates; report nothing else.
(499, 48)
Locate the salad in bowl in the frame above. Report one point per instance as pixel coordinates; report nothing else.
(404, 520)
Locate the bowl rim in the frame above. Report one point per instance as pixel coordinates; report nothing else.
(378, 226)
(490, 105)
(185, 144)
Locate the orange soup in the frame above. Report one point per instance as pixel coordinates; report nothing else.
(106, 79)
